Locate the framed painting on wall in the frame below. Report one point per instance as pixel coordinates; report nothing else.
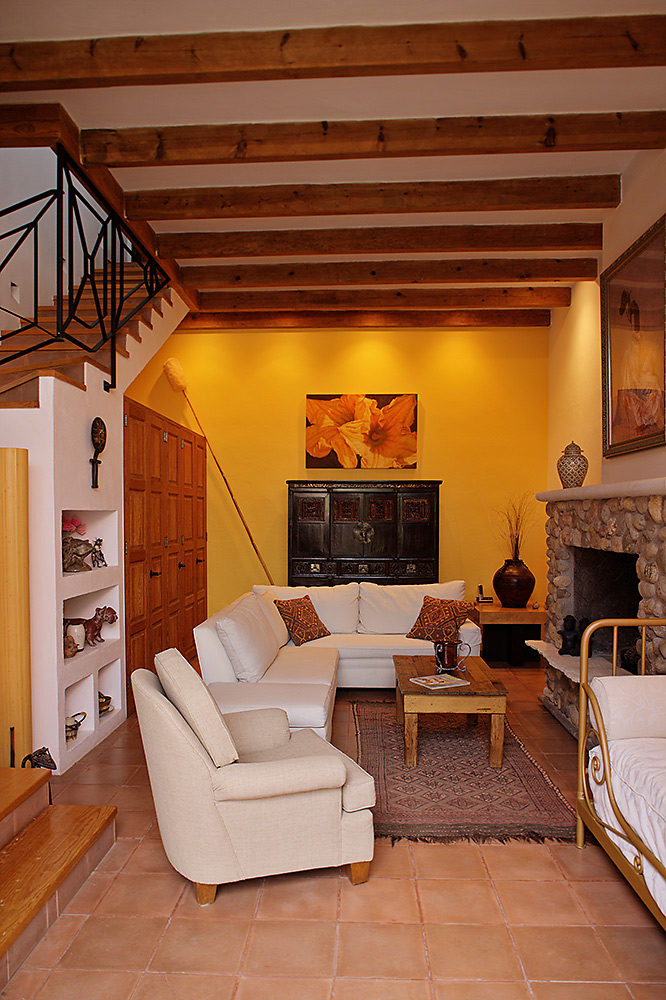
(633, 323)
(354, 431)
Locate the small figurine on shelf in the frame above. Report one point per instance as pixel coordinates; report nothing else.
(97, 556)
(71, 649)
(74, 551)
(93, 626)
(570, 637)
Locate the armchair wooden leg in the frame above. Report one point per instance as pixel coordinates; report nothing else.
(205, 893)
(359, 871)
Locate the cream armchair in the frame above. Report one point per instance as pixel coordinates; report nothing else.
(237, 796)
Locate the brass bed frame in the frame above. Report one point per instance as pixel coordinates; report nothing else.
(594, 728)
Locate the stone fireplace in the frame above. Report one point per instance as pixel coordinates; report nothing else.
(627, 519)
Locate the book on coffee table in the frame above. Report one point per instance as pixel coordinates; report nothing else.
(436, 682)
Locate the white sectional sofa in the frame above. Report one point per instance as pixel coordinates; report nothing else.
(248, 660)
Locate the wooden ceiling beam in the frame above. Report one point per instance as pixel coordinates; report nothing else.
(386, 298)
(268, 201)
(297, 274)
(31, 125)
(340, 51)
(393, 319)
(286, 141)
(382, 239)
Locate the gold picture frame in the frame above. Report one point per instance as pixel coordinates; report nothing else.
(633, 349)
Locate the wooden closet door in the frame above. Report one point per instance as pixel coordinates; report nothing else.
(165, 536)
(186, 561)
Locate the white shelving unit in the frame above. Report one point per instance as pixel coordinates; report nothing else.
(59, 481)
(99, 668)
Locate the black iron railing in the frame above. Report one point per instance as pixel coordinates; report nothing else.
(102, 275)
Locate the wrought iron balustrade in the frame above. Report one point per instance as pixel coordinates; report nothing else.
(101, 276)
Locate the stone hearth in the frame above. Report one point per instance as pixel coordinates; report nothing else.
(626, 518)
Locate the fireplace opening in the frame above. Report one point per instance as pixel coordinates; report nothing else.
(605, 585)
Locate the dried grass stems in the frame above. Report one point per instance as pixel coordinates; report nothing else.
(516, 520)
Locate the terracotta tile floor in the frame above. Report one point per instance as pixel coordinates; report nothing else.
(435, 922)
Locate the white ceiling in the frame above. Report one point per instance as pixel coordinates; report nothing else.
(546, 92)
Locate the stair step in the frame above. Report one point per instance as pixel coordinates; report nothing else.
(17, 785)
(37, 861)
(39, 366)
(20, 341)
(24, 389)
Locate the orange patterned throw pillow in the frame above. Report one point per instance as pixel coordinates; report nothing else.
(440, 620)
(302, 620)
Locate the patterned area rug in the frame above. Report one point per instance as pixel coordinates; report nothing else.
(453, 793)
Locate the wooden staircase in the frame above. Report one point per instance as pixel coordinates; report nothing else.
(46, 854)
(19, 379)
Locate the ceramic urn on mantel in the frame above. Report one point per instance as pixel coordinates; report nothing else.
(572, 467)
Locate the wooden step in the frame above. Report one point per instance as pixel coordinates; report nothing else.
(20, 341)
(18, 786)
(36, 862)
(39, 366)
(23, 390)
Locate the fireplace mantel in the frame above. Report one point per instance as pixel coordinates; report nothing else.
(604, 491)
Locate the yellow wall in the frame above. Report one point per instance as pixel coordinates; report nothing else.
(482, 429)
(575, 381)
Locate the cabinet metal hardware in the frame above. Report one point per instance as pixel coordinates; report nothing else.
(153, 573)
(198, 560)
(181, 565)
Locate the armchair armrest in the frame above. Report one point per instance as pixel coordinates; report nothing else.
(278, 777)
(258, 729)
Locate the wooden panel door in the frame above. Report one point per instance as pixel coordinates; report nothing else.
(165, 536)
(137, 498)
(186, 562)
(172, 535)
(200, 533)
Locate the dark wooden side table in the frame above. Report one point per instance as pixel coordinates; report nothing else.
(495, 614)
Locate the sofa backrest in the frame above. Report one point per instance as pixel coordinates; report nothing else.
(336, 606)
(392, 610)
(214, 662)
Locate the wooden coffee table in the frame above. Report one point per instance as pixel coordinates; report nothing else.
(485, 695)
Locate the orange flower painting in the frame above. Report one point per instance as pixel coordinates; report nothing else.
(360, 432)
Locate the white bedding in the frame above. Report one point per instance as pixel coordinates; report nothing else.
(638, 773)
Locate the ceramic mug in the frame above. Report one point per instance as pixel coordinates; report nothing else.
(446, 656)
(78, 634)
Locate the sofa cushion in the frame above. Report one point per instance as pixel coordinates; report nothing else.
(295, 665)
(248, 639)
(187, 692)
(440, 620)
(302, 620)
(394, 609)
(275, 619)
(307, 705)
(336, 606)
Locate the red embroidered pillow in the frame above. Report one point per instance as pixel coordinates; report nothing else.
(440, 620)
(302, 620)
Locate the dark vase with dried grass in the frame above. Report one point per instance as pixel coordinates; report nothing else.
(514, 581)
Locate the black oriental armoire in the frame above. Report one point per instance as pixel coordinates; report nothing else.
(341, 532)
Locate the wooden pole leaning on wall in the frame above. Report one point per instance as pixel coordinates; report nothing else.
(176, 378)
(15, 687)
